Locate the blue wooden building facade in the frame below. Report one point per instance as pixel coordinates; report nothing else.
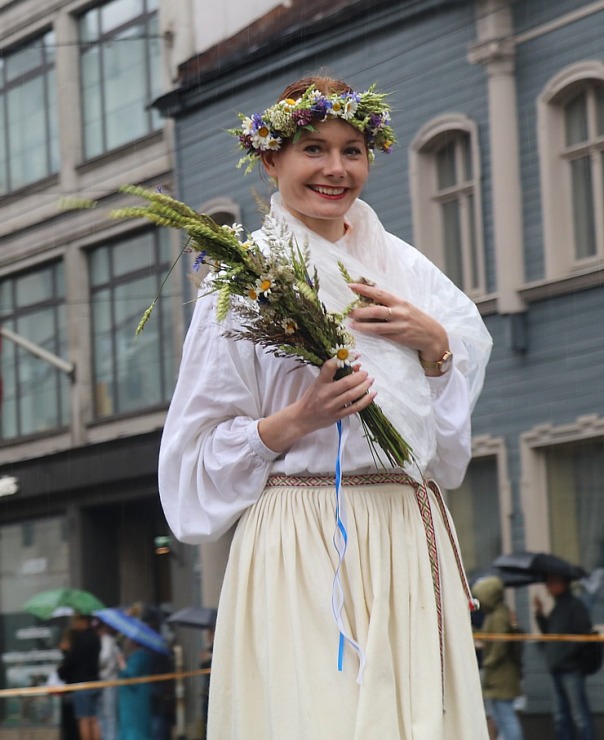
(498, 176)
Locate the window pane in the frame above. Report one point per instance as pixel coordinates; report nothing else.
(120, 75)
(53, 116)
(575, 114)
(134, 255)
(138, 358)
(36, 394)
(473, 245)
(583, 208)
(452, 242)
(89, 26)
(467, 157)
(27, 132)
(124, 72)
(445, 165)
(29, 142)
(23, 61)
(50, 47)
(103, 352)
(3, 155)
(37, 379)
(99, 267)
(119, 12)
(8, 366)
(600, 108)
(91, 99)
(33, 288)
(474, 508)
(575, 480)
(130, 372)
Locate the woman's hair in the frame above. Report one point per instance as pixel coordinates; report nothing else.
(324, 84)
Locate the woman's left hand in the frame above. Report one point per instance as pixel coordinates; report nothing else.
(400, 321)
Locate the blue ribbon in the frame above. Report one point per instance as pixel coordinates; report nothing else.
(340, 541)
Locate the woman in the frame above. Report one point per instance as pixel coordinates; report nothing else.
(253, 438)
(134, 700)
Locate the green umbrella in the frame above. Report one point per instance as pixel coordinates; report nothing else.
(59, 601)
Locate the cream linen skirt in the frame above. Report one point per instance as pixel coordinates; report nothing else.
(274, 669)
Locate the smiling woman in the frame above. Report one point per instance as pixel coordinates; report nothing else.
(256, 439)
(321, 175)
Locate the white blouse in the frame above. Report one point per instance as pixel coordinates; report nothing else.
(213, 464)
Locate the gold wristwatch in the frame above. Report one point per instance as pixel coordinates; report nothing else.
(443, 365)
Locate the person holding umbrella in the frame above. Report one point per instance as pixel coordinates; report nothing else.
(568, 616)
(134, 700)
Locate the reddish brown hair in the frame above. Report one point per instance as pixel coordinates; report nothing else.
(324, 84)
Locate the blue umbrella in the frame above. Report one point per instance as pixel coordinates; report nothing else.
(133, 628)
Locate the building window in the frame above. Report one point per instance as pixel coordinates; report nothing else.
(575, 480)
(130, 372)
(35, 395)
(29, 140)
(584, 153)
(224, 211)
(480, 534)
(445, 173)
(120, 73)
(571, 148)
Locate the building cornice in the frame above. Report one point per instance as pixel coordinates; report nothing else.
(287, 36)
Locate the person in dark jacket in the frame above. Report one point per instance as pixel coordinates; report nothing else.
(81, 664)
(568, 616)
(500, 668)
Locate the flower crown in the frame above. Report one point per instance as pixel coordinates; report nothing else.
(366, 111)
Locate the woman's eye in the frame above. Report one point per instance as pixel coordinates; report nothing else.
(312, 148)
(353, 151)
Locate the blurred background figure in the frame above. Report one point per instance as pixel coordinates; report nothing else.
(108, 671)
(501, 669)
(568, 616)
(134, 700)
(81, 664)
(69, 726)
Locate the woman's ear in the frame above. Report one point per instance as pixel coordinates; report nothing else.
(268, 160)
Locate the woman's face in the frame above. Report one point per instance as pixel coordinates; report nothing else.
(321, 175)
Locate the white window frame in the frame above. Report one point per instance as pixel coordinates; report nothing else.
(222, 204)
(533, 482)
(426, 200)
(556, 190)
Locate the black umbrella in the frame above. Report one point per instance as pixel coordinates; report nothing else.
(194, 616)
(510, 578)
(539, 565)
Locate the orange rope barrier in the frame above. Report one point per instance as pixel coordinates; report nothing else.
(536, 637)
(66, 688)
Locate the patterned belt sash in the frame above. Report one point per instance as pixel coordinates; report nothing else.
(425, 509)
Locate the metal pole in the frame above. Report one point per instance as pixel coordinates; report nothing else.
(63, 365)
(179, 691)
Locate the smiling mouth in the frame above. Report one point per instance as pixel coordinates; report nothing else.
(325, 190)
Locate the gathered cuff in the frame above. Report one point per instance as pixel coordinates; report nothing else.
(253, 439)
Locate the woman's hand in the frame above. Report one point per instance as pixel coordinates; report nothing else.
(400, 321)
(323, 403)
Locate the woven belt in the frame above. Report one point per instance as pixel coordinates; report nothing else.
(423, 502)
(318, 481)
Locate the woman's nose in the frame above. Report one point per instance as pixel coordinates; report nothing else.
(334, 165)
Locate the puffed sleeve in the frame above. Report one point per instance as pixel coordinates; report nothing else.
(452, 420)
(212, 462)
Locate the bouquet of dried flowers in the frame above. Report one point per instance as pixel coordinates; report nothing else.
(274, 296)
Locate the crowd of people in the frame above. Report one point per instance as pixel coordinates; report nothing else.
(502, 666)
(93, 651)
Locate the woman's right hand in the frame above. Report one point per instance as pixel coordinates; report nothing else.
(323, 403)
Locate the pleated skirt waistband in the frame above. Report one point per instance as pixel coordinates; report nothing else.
(360, 479)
